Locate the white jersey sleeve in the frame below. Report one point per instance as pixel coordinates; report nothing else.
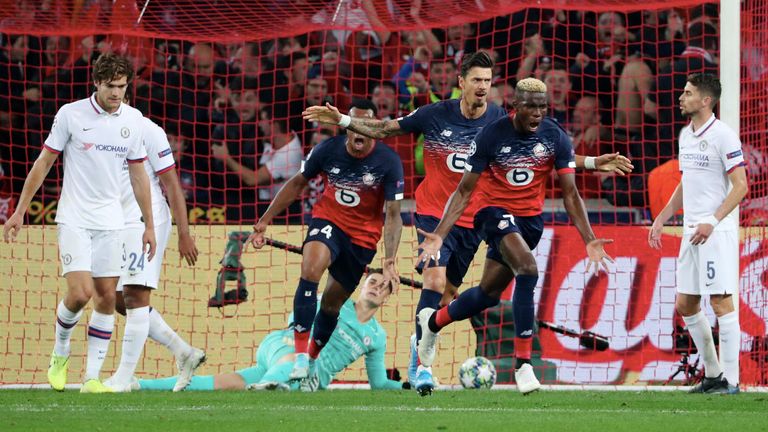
(158, 148)
(59, 136)
(136, 153)
(729, 147)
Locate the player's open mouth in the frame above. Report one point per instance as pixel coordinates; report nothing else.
(480, 94)
(359, 143)
(533, 125)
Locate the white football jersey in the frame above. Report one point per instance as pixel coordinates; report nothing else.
(159, 160)
(96, 145)
(282, 164)
(707, 156)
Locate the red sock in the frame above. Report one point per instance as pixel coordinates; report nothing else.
(300, 341)
(442, 318)
(523, 347)
(314, 350)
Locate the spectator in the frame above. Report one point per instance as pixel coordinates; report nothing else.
(661, 102)
(235, 147)
(384, 97)
(315, 186)
(558, 92)
(280, 160)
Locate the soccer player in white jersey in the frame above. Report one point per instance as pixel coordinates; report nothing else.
(714, 182)
(141, 277)
(97, 136)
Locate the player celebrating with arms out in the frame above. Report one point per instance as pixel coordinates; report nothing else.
(714, 182)
(141, 277)
(517, 154)
(448, 127)
(362, 177)
(97, 135)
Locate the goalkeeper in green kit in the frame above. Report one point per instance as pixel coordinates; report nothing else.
(358, 334)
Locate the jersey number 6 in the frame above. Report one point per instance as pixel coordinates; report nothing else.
(456, 162)
(347, 198)
(519, 176)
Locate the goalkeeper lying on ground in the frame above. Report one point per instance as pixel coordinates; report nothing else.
(358, 334)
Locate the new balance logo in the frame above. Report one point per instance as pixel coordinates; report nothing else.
(299, 328)
(506, 149)
(446, 133)
(527, 333)
(335, 170)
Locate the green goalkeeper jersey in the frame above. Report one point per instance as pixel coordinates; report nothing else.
(351, 340)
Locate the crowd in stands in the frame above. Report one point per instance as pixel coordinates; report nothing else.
(233, 111)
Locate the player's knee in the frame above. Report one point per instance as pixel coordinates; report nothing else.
(686, 309)
(77, 299)
(312, 271)
(721, 305)
(528, 269)
(435, 283)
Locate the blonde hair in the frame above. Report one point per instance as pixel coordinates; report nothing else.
(532, 85)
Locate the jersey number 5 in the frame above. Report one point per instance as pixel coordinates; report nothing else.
(519, 176)
(347, 198)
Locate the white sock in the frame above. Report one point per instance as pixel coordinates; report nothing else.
(136, 330)
(162, 333)
(99, 333)
(66, 320)
(730, 346)
(701, 333)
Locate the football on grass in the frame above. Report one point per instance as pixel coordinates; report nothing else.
(477, 373)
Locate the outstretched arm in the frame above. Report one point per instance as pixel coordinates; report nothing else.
(287, 195)
(609, 162)
(453, 209)
(372, 128)
(377, 371)
(578, 215)
(32, 183)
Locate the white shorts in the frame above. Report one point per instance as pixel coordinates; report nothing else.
(97, 251)
(710, 268)
(137, 270)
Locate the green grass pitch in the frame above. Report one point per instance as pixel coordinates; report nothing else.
(352, 410)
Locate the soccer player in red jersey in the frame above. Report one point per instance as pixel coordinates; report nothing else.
(362, 177)
(515, 156)
(448, 127)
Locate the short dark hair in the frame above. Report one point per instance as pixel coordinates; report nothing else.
(109, 67)
(364, 104)
(708, 84)
(479, 59)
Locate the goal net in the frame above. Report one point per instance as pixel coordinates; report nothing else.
(228, 81)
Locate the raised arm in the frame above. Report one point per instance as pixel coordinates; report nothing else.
(187, 248)
(32, 183)
(140, 185)
(578, 215)
(372, 128)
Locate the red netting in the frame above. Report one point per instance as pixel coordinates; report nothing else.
(228, 82)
